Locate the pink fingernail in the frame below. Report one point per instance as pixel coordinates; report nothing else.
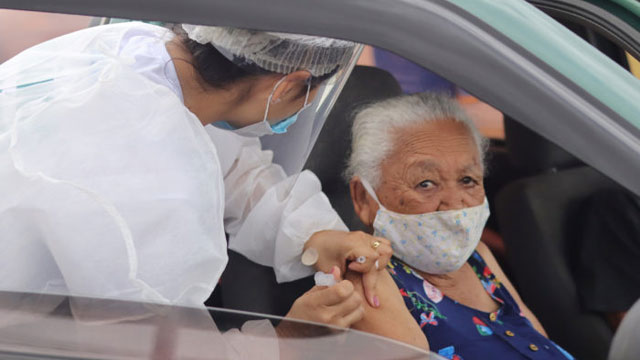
(336, 272)
(376, 302)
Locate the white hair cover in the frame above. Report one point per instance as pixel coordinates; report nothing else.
(285, 53)
(277, 52)
(111, 188)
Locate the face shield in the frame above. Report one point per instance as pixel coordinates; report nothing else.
(297, 197)
(285, 53)
(291, 149)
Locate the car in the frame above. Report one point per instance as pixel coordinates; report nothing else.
(553, 88)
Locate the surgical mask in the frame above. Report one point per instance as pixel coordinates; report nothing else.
(264, 128)
(437, 242)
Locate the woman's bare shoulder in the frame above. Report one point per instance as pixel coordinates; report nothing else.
(391, 319)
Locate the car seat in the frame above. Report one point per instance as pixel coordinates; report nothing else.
(248, 286)
(540, 219)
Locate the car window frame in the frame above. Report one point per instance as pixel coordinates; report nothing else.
(614, 22)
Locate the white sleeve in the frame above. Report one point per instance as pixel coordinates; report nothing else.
(268, 215)
(126, 203)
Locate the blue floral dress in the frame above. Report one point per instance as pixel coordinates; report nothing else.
(458, 332)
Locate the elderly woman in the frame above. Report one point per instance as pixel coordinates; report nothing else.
(416, 177)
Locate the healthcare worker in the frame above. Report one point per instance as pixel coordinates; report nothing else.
(113, 188)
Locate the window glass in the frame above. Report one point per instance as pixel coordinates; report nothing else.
(31, 331)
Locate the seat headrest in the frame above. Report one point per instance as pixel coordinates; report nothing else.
(533, 153)
(366, 84)
(329, 155)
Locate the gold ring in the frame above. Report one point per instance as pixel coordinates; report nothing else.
(375, 244)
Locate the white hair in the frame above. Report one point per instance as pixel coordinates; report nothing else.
(376, 126)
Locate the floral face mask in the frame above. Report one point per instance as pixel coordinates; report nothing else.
(437, 242)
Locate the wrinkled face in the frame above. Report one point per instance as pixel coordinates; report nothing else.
(433, 167)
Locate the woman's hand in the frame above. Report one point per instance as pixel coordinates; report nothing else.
(356, 250)
(338, 305)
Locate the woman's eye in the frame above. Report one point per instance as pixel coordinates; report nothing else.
(426, 184)
(468, 180)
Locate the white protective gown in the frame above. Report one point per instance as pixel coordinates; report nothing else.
(269, 215)
(112, 188)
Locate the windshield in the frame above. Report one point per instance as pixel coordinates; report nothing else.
(30, 326)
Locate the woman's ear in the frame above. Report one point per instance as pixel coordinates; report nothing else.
(363, 204)
(291, 85)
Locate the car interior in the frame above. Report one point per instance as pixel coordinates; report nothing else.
(536, 190)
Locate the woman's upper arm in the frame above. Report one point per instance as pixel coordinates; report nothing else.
(492, 263)
(392, 319)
